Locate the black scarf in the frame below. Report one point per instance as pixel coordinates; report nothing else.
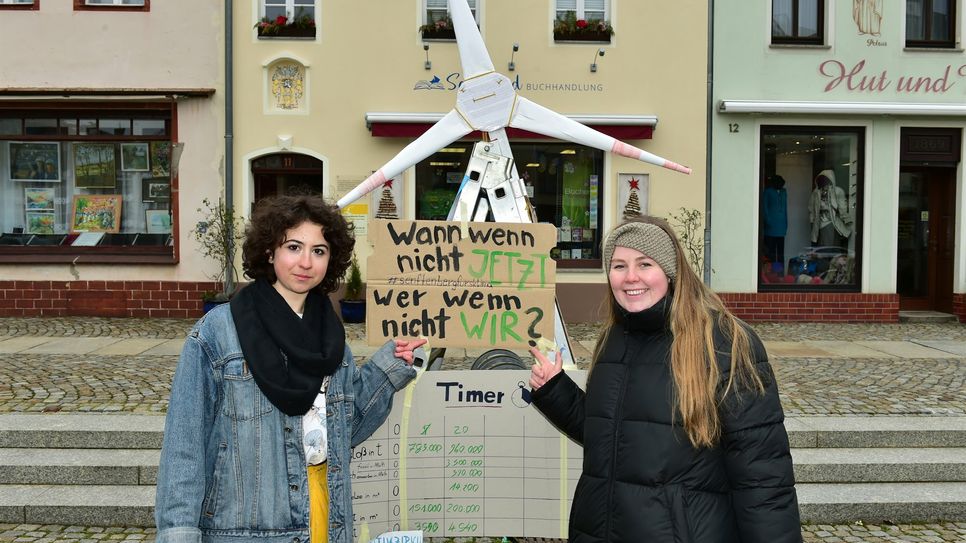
(288, 356)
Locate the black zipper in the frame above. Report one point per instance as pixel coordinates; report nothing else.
(617, 433)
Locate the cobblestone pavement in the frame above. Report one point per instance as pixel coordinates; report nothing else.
(141, 384)
(769, 331)
(854, 533)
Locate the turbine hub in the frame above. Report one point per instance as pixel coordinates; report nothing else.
(486, 101)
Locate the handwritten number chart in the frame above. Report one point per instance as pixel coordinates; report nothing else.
(463, 453)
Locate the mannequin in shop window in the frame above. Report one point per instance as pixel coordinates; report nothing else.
(774, 211)
(828, 212)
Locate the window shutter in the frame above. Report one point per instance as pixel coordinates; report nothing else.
(566, 5)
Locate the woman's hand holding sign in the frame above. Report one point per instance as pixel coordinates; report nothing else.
(405, 348)
(544, 370)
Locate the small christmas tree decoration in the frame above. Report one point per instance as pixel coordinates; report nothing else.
(387, 204)
(633, 207)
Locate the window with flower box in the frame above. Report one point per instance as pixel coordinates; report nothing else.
(113, 5)
(798, 22)
(90, 182)
(562, 180)
(931, 23)
(582, 20)
(287, 19)
(20, 4)
(437, 23)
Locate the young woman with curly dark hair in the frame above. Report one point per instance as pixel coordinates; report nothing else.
(267, 402)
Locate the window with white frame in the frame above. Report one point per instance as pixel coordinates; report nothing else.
(931, 23)
(291, 9)
(799, 22)
(588, 10)
(436, 10)
(16, 2)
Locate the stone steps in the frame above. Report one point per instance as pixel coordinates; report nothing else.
(100, 470)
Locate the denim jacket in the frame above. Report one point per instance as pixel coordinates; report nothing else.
(233, 466)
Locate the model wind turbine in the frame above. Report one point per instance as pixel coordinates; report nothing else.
(486, 101)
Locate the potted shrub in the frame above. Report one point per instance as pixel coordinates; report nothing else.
(217, 235)
(353, 302)
(300, 26)
(438, 29)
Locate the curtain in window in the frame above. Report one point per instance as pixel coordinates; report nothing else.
(781, 18)
(594, 9)
(437, 9)
(808, 18)
(940, 20)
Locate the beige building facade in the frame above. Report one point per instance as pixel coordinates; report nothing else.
(330, 93)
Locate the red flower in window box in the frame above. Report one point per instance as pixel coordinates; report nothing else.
(300, 26)
(568, 27)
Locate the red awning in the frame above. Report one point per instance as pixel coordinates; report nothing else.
(414, 130)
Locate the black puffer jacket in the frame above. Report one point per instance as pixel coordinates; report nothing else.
(642, 480)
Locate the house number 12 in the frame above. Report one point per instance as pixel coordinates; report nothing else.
(733, 128)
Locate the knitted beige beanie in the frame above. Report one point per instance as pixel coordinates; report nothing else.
(649, 239)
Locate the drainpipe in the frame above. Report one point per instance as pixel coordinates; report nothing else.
(707, 160)
(229, 144)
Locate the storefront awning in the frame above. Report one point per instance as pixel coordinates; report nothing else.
(412, 125)
(840, 108)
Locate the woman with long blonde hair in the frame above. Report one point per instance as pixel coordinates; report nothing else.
(681, 423)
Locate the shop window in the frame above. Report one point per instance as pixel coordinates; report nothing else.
(102, 194)
(582, 20)
(20, 4)
(798, 22)
(114, 5)
(931, 23)
(562, 180)
(287, 19)
(811, 199)
(437, 24)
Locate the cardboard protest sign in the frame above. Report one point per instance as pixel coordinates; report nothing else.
(481, 284)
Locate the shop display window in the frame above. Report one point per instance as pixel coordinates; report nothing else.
(104, 191)
(798, 22)
(562, 180)
(810, 200)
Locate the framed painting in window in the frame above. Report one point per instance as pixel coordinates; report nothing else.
(94, 166)
(158, 221)
(96, 213)
(40, 223)
(134, 157)
(34, 161)
(155, 189)
(160, 158)
(39, 199)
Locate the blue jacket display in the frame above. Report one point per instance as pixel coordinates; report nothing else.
(233, 466)
(775, 212)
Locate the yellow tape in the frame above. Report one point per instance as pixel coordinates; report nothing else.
(563, 486)
(364, 533)
(403, 445)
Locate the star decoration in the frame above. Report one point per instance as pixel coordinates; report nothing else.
(634, 184)
(388, 184)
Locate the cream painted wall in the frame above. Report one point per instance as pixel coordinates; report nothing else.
(177, 44)
(368, 56)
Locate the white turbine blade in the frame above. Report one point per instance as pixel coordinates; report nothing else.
(447, 130)
(474, 58)
(536, 118)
